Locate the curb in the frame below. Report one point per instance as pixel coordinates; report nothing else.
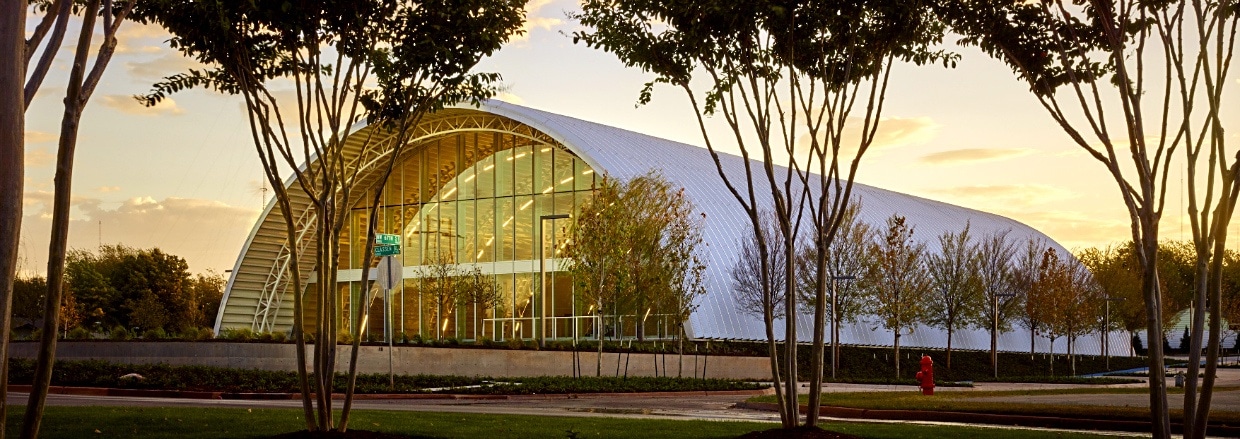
(995, 419)
(187, 394)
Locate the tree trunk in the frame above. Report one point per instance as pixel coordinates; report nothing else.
(1160, 416)
(1052, 355)
(12, 170)
(57, 246)
(896, 343)
(69, 124)
(598, 371)
(949, 346)
(816, 352)
(1214, 287)
(1194, 344)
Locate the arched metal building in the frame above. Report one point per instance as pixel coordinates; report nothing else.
(477, 186)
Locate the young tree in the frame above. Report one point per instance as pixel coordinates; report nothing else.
(89, 62)
(634, 249)
(996, 254)
(846, 260)
(330, 52)
(478, 291)
(1025, 278)
(1049, 297)
(897, 281)
(1081, 57)
(441, 287)
(752, 296)
(785, 78)
(1114, 269)
(1082, 310)
(956, 298)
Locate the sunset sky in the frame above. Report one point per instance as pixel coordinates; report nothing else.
(183, 176)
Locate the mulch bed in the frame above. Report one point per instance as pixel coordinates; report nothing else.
(801, 432)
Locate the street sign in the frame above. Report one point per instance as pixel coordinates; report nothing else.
(389, 272)
(387, 239)
(387, 250)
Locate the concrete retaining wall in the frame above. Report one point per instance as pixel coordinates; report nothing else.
(405, 360)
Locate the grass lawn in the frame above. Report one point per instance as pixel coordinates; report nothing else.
(967, 402)
(212, 423)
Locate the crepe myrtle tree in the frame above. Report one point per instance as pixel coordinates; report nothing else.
(393, 62)
(1132, 82)
(787, 79)
(27, 58)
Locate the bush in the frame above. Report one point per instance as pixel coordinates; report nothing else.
(78, 333)
(344, 337)
(237, 334)
(279, 336)
(154, 334)
(119, 333)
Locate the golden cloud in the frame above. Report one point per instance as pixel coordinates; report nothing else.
(207, 233)
(169, 63)
(1006, 195)
(38, 137)
(971, 155)
(127, 105)
(39, 157)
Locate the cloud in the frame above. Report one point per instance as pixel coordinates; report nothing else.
(168, 63)
(1074, 229)
(893, 132)
(207, 233)
(127, 105)
(1007, 195)
(38, 137)
(972, 155)
(534, 20)
(39, 157)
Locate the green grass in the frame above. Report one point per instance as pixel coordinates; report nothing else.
(212, 423)
(967, 402)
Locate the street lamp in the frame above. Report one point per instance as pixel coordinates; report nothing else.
(541, 327)
(835, 327)
(994, 329)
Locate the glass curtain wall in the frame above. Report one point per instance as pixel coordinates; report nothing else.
(477, 200)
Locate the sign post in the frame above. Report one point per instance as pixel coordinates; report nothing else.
(390, 273)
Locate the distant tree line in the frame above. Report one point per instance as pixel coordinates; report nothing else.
(962, 281)
(140, 290)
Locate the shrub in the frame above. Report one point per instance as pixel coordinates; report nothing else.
(279, 336)
(78, 333)
(205, 334)
(119, 333)
(154, 334)
(344, 337)
(515, 343)
(237, 334)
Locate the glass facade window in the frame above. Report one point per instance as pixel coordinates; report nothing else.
(476, 200)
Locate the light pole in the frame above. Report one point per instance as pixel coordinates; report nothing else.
(835, 327)
(994, 330)
(541, 328)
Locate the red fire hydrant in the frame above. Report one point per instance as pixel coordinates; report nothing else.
(925, 376)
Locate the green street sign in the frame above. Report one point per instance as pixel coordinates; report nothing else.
(387, 250)
(387, 239)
